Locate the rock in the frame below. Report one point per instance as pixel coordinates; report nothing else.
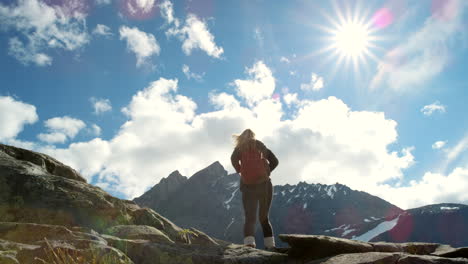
(449, 252)
(311, 247)
(386, 247)
(242, 254)
(146, 216)
(139, 232)
(419, 248)
(45, 162)
(361, 258)
(200, 238)
(387, 258)
(410, 259)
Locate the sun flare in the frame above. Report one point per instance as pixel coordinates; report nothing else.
(351, 39)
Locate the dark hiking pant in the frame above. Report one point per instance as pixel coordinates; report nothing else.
(257, 196)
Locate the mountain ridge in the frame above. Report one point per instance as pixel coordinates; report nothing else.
(218, 192)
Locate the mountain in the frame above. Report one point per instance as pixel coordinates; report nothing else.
(304, 208)
(447, 222)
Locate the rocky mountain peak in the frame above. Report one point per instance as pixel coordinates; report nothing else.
(209, 174)
(161, 191)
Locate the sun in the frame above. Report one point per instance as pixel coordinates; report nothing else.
(351, 39)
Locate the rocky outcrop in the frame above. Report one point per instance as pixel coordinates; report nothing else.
(47, 210)
(329, 250)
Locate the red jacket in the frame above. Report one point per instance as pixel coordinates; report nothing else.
(236, 157)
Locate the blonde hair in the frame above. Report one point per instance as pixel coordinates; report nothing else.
(246, 140)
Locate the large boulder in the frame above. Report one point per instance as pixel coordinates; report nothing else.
(139, 232)
(316, 247)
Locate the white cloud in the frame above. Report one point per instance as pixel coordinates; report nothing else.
(44, 27)
(95, 130)
(316, 83)
(439, 144)
(102, 30)
(432, 108)
(454, 152)
(290, 99)
(167, 12)
(195, 35)
(60, 129)
(191, 75)
(260, 85)
(13, 116)
(143, 44)
(103, 2)
(140, 6)
(432, 188)
(25, 55)
(53, 137)
(100, 105)
(224, 101)
(424, 54)
(284, 59)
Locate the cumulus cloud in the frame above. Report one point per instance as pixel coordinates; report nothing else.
(167, 12)
(290, 99)
(428, 110)
(44, 27)
(60, 129)
(143, 44)
(14, 115)
(195, 35)
(102, 30)
(425, 53)
(100, 105)
(432, 188)
(439, 144)
(260, 85)
(325, 142)
(191, 75)
(315, 84)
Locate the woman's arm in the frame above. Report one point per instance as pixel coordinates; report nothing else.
(235, 158)
(272, 160)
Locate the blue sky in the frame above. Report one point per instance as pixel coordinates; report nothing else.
(366, 93)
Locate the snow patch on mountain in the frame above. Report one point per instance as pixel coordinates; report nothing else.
(227, 202)
(449, 208)
(379, 229)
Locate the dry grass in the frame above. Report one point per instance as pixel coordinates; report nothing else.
(68, 256)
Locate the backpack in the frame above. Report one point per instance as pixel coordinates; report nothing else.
(254, 167)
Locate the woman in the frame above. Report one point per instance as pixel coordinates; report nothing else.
(254, 161)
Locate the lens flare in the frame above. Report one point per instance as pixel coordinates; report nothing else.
(382, 18)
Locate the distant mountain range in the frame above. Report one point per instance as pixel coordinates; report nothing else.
(210, 200)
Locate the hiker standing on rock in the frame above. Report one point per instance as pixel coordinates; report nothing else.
(254, 161)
